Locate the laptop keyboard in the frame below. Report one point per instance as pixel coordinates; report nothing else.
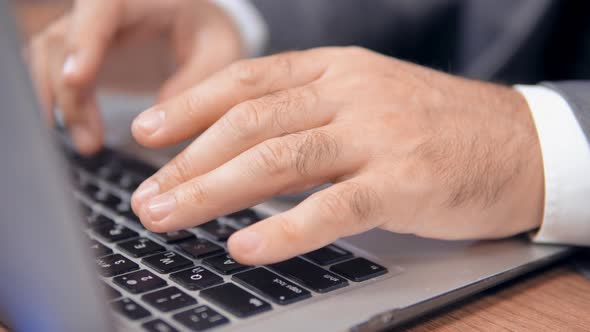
(186, 279)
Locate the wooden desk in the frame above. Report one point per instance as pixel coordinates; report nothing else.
(556, 299)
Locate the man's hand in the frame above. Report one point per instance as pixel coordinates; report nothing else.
(67, 57)
(408, 149)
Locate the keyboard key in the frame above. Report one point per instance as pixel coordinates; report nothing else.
(359, 269)
(224, 264)
(200, 318)
(217, 230)
(139, 281)
(309, 275)
(245, 217)
(141, 247)
(328, 255)
(114, 233)
(167, 262)
(99, 249)
(271, 285)
(158, 325)
(199, 248)
(116, 264)
(169, 299)
(130, 309)
(110, 292)
(109, 200)
(130, 215)
(91, 189)
(196, 278)
(174, 237)
(235, 300)
(99, 220)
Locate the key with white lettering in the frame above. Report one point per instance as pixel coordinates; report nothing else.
(139, 281)
(272, 286)
(224, 264)
(309, 275)
(116, 264)
(140, 247)
(196, 278)
(169, 299)
(167, 262)
(235, 300)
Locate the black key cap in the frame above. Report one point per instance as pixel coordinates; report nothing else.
(91, 189)
(235, 300)
(359, 269)
(129, 215)
(99, 249)
(169, 299)
(309, 275)
(116, 264)
(174, 237)
(271, 285)
(196, 278)
(140, 247)
(328, 255)
(245, 217)
(130, 309)
(167, 262)
(99, 220)
(130, 182)
(200, 318)
(109, 200)
(199, 248)
(224, 264)
(158, 325)
(217, 230)
(110, 292)
(115, 232)
(139, 281)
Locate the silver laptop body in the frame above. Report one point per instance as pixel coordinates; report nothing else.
(48, 278)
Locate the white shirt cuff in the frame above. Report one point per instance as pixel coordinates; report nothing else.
(250, 23)
(566, 162)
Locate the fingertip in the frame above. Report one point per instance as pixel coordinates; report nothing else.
(244, 246)
(87, 143)
(146, 125)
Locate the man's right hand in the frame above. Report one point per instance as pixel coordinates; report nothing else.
(66, 58)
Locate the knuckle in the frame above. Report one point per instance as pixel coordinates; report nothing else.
(245, 72)
(315, 148)
(271, 157)
(291, 229)
(244, 120)
(179, 170)
(351, 202)
(196, 193)
(191, 103)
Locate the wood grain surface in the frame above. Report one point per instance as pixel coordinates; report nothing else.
(555, 299)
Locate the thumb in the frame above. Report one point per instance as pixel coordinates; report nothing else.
(92, 27)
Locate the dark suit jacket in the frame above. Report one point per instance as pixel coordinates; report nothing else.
(507, 41)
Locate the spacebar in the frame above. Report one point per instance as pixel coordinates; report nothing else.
(309, 275)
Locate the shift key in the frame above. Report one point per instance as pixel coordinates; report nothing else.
(309, 275)
(272, 286)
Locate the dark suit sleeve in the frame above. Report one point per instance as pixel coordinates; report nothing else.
(577, 94)
(387, 26)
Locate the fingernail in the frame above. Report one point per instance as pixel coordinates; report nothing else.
(161, 206)
(149, 121)
(70, 65)
(146, 191)
(247, 240)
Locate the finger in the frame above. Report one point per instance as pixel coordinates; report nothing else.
(252, 177)
(87, 132)
(243, 127)
(195, 110)
(93, 25)
(41, 77)
(341, 210)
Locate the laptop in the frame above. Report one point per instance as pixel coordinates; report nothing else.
(73, 257)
